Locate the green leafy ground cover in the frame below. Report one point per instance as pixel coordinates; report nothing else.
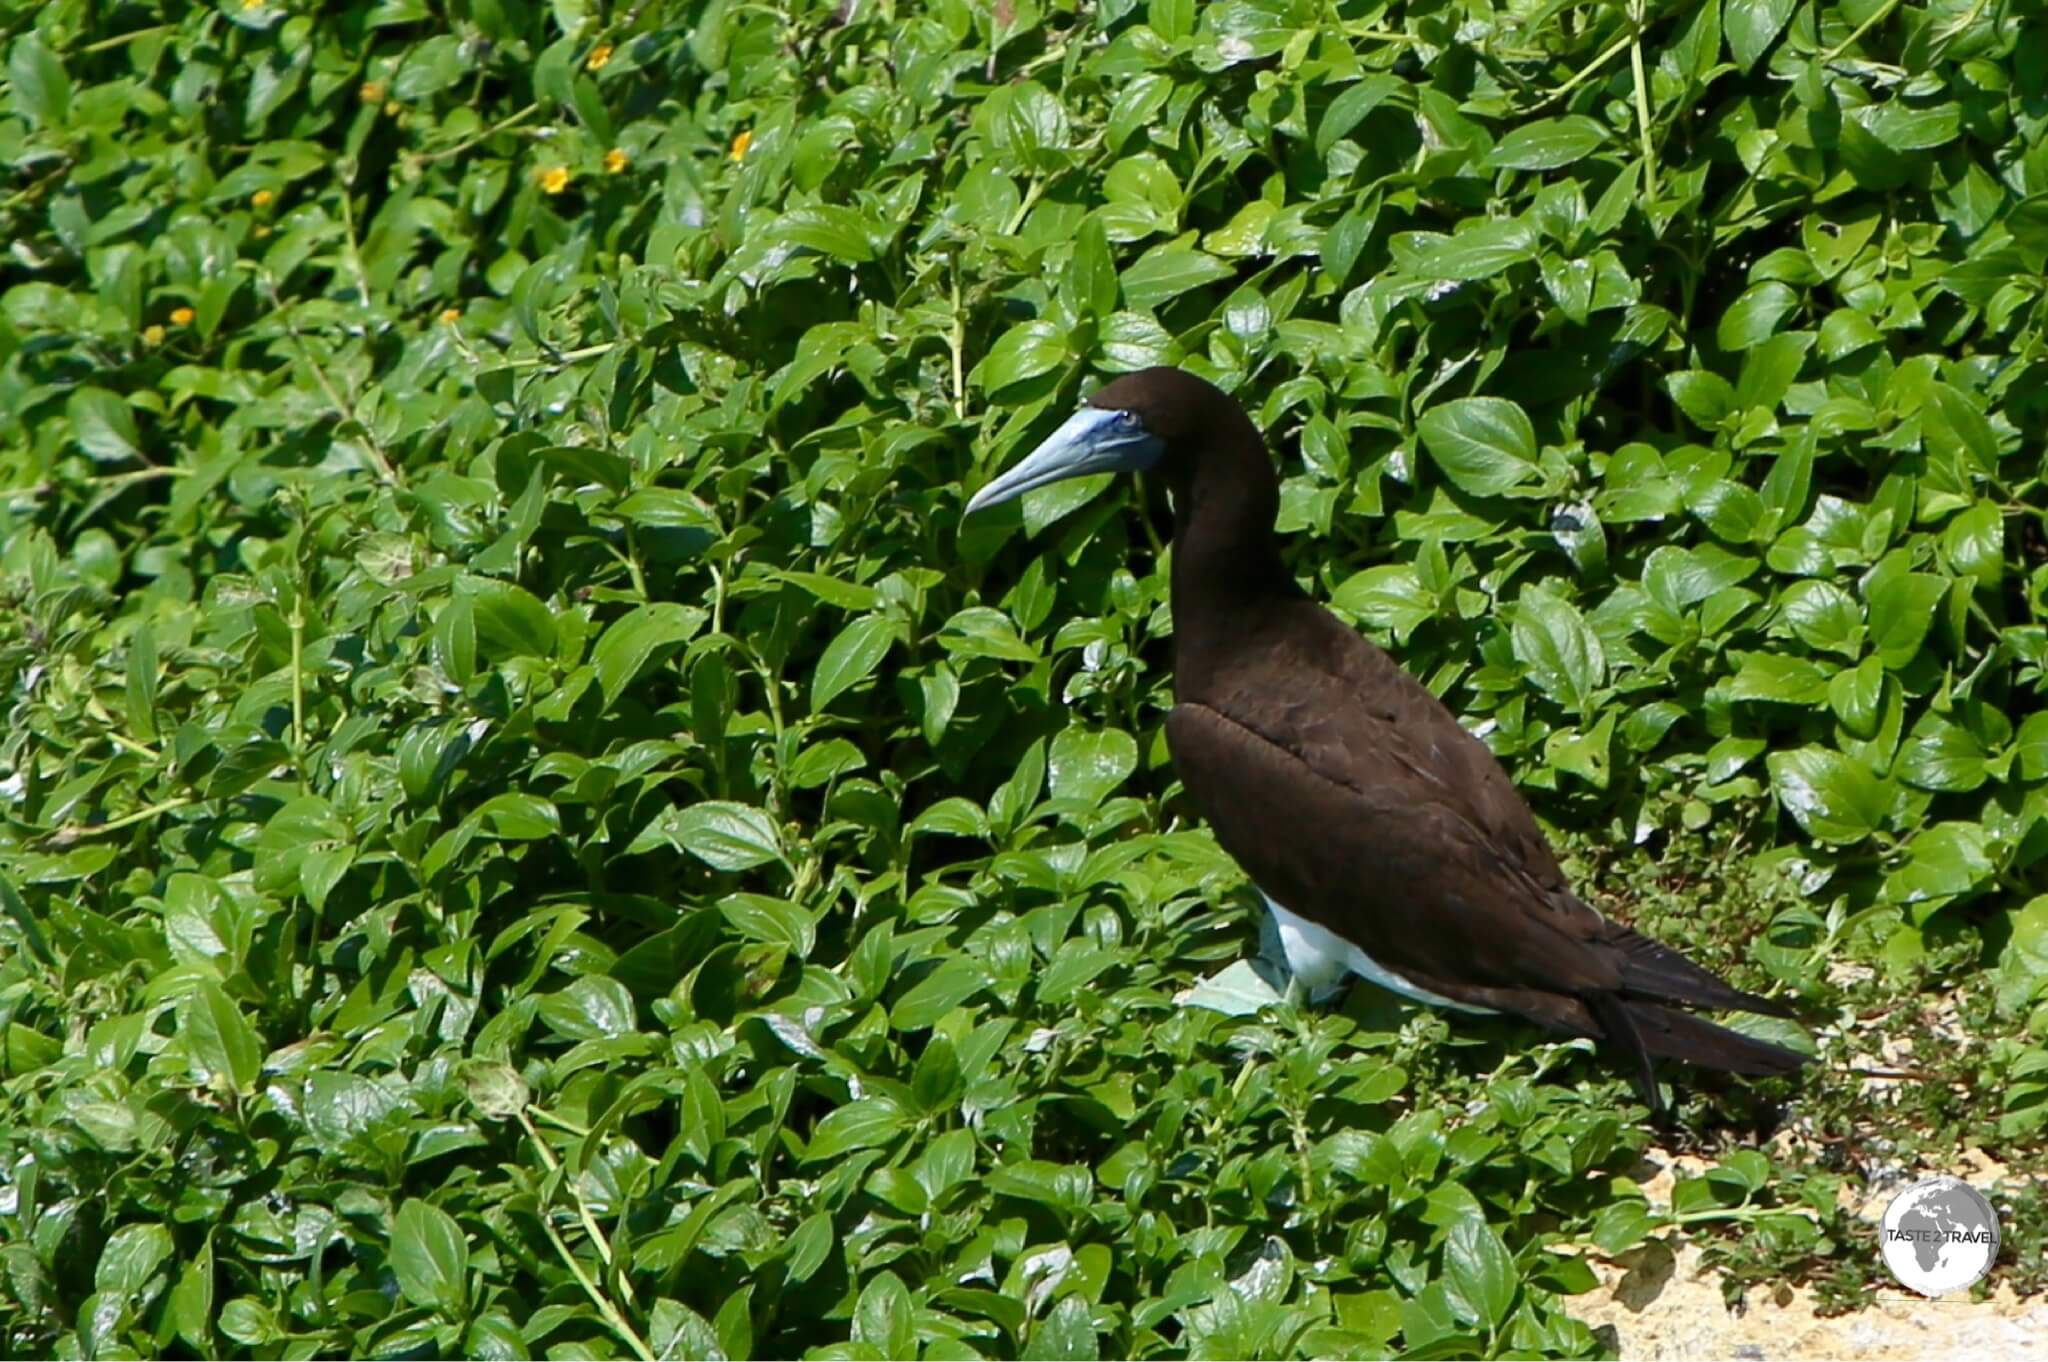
(529, 827)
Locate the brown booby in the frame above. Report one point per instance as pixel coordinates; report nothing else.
(1386, 840)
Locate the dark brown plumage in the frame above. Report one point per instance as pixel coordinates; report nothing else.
(1351, 795)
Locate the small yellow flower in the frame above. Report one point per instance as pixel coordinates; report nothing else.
(152, 335)
(262, 198)
(252, 4)
(391, 107)
(451, 315)
(372, 92)
(262, 230)
(554, 179)
(741, 143)
(182, 316)
(599, 56)
(614, 161)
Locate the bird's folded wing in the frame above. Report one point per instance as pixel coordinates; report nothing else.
(1393, 837)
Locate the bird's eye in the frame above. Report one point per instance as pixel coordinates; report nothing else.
(1127, 420)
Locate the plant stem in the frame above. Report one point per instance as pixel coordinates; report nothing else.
(1635, 58)
(123, 39)
(590, 1225)
(1031, 193)
(597, 1296)
(75, 831)
(958, 343)
(560, 357)
(1584, 73)
(342, 409)
(122, 740)
(296, 621)
(502, 125)
(1877, 16)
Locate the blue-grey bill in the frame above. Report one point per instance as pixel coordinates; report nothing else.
(1092, 440)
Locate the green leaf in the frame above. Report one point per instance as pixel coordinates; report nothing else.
(1901, 612)
(250, 1322)
(101, 422)
(430, 1258)
(633, 641)
(1129, 341)
(2031, 751)
(143, 664)
(834, 590)
(591, 1008)
(1237, 990)
(1351, 106)
(1780, 679)
(1166, 272)
(1484, 445)
(935, 1082)
(1024, 352)
(938, 993)
(838, 232)
(1824, 616)
(1751, 26)
(861, 1124)
(42, 90)
(1857, 694)
(674, 1330)
(1028, 125)
(1904, 127)
(851, 658)
(1476, 252)
(1087, 765)
(1063, 1186)
(1941, 755)
(1704, 396)
(1943, 863)
(722, 834)
(1478, 1273)
(1389, 596)
(1562, 653)
(219, 1041)
(1065, 1335)
(1091, 270)
(1770, 367)
(512, 622)
(666, 508)
(1549, 143)
(1974, 543)
(132, 1255)
(518, 817)
(1754, 317)
(190, 1306)
(1956, 426)
(808, 1246)
(27, 922)
(1834, 798)
(1621, 1225)
(884, 1317)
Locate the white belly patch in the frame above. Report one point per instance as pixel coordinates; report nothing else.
(1321, 958)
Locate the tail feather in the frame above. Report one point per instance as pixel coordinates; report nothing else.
(1668, 1033)
(1653, 970)
(1618, 1022)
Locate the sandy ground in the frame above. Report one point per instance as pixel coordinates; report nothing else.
(1663, 1305)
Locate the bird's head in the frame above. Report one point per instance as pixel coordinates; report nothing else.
(1154, 419)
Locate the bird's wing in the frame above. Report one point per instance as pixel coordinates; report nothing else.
(1369, 835)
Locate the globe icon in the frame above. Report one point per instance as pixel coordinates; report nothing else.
(1939, 1236)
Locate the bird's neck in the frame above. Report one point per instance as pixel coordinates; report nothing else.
(1227, 572)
